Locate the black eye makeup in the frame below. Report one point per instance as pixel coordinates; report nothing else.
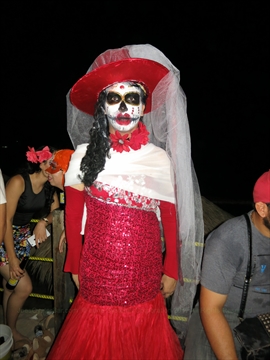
(131, 98)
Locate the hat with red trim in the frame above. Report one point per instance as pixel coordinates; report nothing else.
(85, 92)
(261, 191)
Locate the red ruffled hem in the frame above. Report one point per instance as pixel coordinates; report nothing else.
(139, 332)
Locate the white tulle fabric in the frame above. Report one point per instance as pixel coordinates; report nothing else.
(169, 129)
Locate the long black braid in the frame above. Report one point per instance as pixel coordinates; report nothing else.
(98, 149)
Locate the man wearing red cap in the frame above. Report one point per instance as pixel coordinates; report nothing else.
(223, 272)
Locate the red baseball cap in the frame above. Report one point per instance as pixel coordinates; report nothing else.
(261, 191)
(60, 161)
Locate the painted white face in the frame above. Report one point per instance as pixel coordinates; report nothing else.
(123, 106)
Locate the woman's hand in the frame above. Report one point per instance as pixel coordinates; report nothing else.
(62, 241)
(40, 232)
(14, 268)
(40, 228)
(167, 286)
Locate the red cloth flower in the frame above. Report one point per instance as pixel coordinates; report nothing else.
(139, 137)
(31, 155)
(38, 156)
(44, 154)
(120, 143)
(134, 140)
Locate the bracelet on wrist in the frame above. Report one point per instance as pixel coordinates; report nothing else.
(46, 220)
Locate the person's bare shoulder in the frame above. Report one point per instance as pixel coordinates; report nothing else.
(79, 187)
(15, 183)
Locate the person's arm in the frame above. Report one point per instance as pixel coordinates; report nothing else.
(3, 208)
(40, 228)
(170, 267)
(62, 241)
(216, 327)
(73, 223)
(3, 224)
(14, 189)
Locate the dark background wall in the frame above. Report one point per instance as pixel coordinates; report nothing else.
(221, 49)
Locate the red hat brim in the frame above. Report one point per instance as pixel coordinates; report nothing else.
(85, 92)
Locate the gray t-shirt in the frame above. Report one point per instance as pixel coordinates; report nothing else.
(225, 263)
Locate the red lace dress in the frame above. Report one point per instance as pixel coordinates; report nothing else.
(119, 312)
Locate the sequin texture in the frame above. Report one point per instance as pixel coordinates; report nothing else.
(121, 259)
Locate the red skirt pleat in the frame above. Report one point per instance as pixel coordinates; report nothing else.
(94, 332)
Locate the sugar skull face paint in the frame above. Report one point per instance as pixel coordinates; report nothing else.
(124, 106)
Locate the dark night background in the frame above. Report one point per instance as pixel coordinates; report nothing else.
(221, 49)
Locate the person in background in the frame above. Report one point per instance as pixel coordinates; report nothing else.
(132, 103)
(56, 177)
(3, 208)
(58, 167)
(26, 193)
(210, 334)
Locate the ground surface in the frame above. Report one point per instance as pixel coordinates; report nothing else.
(28, 319)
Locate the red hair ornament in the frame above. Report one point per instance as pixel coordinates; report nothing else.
(38, 156)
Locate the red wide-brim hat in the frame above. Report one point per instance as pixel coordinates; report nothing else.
(85, 92)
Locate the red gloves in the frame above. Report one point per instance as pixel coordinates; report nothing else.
(168, 218)
(73, 224)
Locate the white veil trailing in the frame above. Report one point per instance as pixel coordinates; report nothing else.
(169, 129)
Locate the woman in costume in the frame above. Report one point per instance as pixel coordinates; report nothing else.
(27, 193)
(134, 175)
(58, 167)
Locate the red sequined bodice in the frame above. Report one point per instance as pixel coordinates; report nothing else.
(121, 261)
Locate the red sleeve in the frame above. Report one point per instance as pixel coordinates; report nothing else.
(168, 219)
(73, 224)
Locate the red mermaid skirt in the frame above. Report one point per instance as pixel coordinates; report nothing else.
(138, 332)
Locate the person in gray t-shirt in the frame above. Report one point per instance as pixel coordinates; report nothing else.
(210, 334)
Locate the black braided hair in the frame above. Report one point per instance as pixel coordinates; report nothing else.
(94, 160)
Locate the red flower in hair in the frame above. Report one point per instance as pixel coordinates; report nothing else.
(44, 154)
(31, 155)
(38, 156)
